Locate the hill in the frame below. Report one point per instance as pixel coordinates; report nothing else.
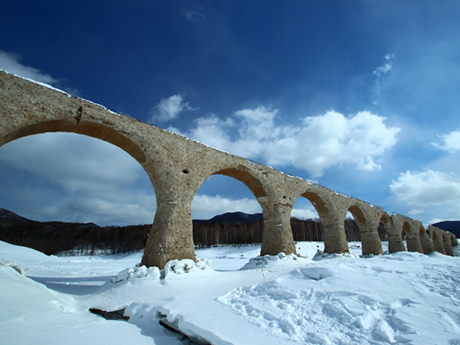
(233, 218)
(450, 225)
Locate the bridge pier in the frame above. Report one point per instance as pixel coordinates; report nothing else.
(171, 236)
(413, 242)
(425, 240)
(447, 242)
(368, 223)
(395, 241)
(370, 239)
(454, 240)
(436, 237)
(277, 235)
(334, 236)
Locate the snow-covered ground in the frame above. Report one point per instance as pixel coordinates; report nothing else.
(231, 297)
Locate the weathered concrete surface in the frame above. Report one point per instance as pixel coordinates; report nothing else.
(395, 240)
(425, 239)
(454, 240)
(447, 242)
(368, 218)
(436, 237)
(177, 167)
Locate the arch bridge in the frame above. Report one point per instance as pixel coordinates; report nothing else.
(178, 166)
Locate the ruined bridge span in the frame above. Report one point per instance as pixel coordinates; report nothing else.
(177, 167)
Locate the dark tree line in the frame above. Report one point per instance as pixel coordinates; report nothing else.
(77, 238)
(211, 234)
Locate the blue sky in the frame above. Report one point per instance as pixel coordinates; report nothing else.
(359, 96)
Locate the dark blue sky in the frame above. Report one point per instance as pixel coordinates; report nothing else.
(359, 96)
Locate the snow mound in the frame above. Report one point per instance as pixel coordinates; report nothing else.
(18, 253)
(173, 267)
(136, 273)
(273, 260)
(177, 267)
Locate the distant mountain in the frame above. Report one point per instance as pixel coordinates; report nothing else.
(235, 218)
(55, 237)
(450, 225)
(8, 217)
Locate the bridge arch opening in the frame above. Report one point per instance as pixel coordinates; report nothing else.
(384, 227)
(306, 223)
(229, 201)
(405, 232)
(91, 129)
(422, 232)
(384, 230)
(353, 219)
(70, 177)
(360, 226)
(311, 208)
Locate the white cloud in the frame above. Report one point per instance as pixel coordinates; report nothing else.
(380, 73)
(428, 195)
(427, 188)
(385, 67)
(169, 108)
(206, 206)
(73, 161)
(304, 214)
(132, 208)
(11, 63)
(449, 142)
(315, 144)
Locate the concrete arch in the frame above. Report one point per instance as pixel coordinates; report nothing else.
(95, 130)
(367, 218)
(412, 236)
(334, 236)
(244, 175)
(92, 129)
(277, 235)
(385, 219)
(443, 241)
(408, 228)
(437, 239)
(177, 166)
